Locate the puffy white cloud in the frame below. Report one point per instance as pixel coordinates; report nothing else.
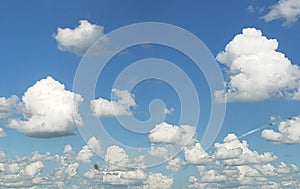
(288, 132)
(257, 71)
(116, 158)
(119, 107)
(80, 39)
(158, 181)
(6, 105)
(172, 134)
(87, 151)
(33, 169)
(195, 154)
(48, 110)
(284, 9)
(241, 154)
(174, 164)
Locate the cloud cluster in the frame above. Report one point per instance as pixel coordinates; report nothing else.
(232, 164)
(119, 107)
(289, 10)
(79, 39)
(288, 132)
(256, 70)
(48, 110)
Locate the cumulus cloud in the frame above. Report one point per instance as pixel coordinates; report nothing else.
(158, 181)
(172, 134)
(288, 132)
(256, 70)
(196, 154)
(119, 107)
(33, 169)
(289, 10)
(116, 158)
(235, 152)
(7, 105)
(84, 155)
(81, 38)
(48, 110)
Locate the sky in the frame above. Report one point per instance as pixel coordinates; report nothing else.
(150, 94)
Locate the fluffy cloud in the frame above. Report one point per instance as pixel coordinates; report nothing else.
(6, 105)
(121, 106)
(80, 39)
(288, 132)
(257, 71)
(84, 155)
(116, 158)
(196, 154)
(158, 181)
(172, 134)
(48, 110)
(285, 9)
(33, 169)
(235, 152)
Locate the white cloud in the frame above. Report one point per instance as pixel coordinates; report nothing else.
(116, 158)
(2, 132)
(87, 151)
(119, 107)
(288, 132)
(257, 71)
(158, 181)
(172, 134)
(48, 110)
(167, 111)
(289, 10)
(80, 39)
(33, 169)
(7, 105)
(196, 154)
(240, 153)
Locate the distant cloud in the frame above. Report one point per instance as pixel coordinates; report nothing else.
(119, 107)
(288, 132)
(158, 181)
(172, 134)
(7, 105)
(81, 38)
(2, 133)
(48, 110)
(168, 111)
(256, 70)
(289, 10)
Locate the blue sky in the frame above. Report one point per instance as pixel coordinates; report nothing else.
(255, 45)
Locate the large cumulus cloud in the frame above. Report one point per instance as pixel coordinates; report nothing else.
(256, 70)
(48, 110)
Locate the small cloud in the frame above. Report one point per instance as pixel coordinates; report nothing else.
(119, 107)
(289, 10)
(167, 111)
(81, 38)
(288, 132)
(2, 133)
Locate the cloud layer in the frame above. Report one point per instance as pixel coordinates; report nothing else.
(289, 10)
(48, 110)
(119, 107)
(256, 70)
(79, 39)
